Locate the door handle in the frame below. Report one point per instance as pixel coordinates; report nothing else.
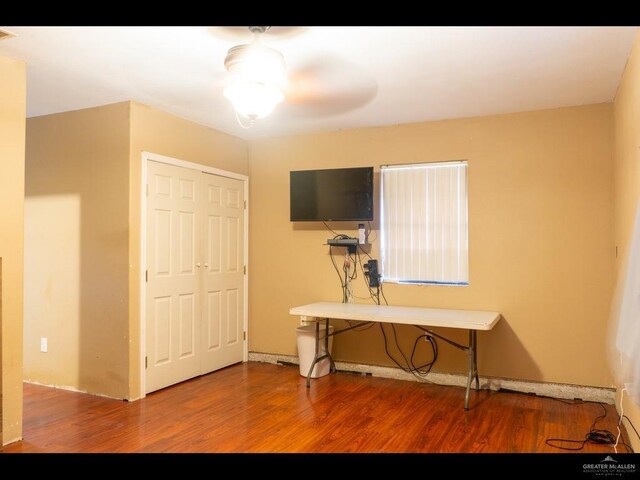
(206, 265)
(198, 264)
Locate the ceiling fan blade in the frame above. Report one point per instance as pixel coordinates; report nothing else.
(328, 85)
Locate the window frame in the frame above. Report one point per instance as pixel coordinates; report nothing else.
(382, 224)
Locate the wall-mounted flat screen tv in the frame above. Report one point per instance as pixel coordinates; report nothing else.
(331, 194)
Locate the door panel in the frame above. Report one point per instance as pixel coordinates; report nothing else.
(162, 330)
(232, 316)
(214, 243)
(173, 287)
(233, 227)
(187, 325)
(224, 274)
(162, 242)
(213, 326)
(187, 242)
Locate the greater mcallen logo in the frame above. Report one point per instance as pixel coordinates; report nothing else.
(609, 467)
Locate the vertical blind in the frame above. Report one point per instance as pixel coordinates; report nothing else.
(424, 223)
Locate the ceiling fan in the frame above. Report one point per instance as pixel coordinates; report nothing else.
(259, 79)
(258, 75)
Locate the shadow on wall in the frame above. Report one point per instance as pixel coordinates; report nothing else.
(75, 291)
(498, 346)
(77, 250)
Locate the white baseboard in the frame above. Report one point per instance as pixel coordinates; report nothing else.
(555, 390)
(70, 389)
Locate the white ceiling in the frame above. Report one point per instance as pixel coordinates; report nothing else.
(361, 76)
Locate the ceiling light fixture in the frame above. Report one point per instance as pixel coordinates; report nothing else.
(257, 77)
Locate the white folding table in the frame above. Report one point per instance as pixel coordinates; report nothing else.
(472, 320)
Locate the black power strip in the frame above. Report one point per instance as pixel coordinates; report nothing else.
(371, 271)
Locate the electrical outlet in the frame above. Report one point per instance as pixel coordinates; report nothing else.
(43, 344)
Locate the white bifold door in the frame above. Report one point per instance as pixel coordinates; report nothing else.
(195, 274)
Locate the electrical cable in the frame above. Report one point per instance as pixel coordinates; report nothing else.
(354, 262)
(407, 369)
(597, 437)
(615, 447)
(345, 270)
(368, 234)
(434, 347)
(372, 294)
(357, 260)
(383, 296)
(386, 349)
(363, 251)
(632, 426)
(361, 298)
(344, 284)
(594, 436)
(333, 261)
(356, 325)
(621, 417)
(349, 277)
(337, 235)
(395, 338)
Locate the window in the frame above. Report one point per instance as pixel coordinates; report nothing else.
(424, 223)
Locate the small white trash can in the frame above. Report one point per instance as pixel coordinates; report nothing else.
(306, 337)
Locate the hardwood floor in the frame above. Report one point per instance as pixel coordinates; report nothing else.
(256, 407)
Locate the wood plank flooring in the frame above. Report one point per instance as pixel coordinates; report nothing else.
(256, 407)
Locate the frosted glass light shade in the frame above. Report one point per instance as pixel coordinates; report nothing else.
(256, 63)
(253, 100)
(257, 77)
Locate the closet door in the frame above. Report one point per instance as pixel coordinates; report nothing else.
(223, 274)
(173, 317)
(195, 283)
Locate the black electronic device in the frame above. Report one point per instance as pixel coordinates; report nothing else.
(338, 242)
(350, 243)
(371, 271)
(341, 194)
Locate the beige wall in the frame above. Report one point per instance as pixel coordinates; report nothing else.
(540, 215)
(627, 178)
(76, 244)
(158, 132)
(12, 139)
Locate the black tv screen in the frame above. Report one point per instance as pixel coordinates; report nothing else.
(334, 194)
